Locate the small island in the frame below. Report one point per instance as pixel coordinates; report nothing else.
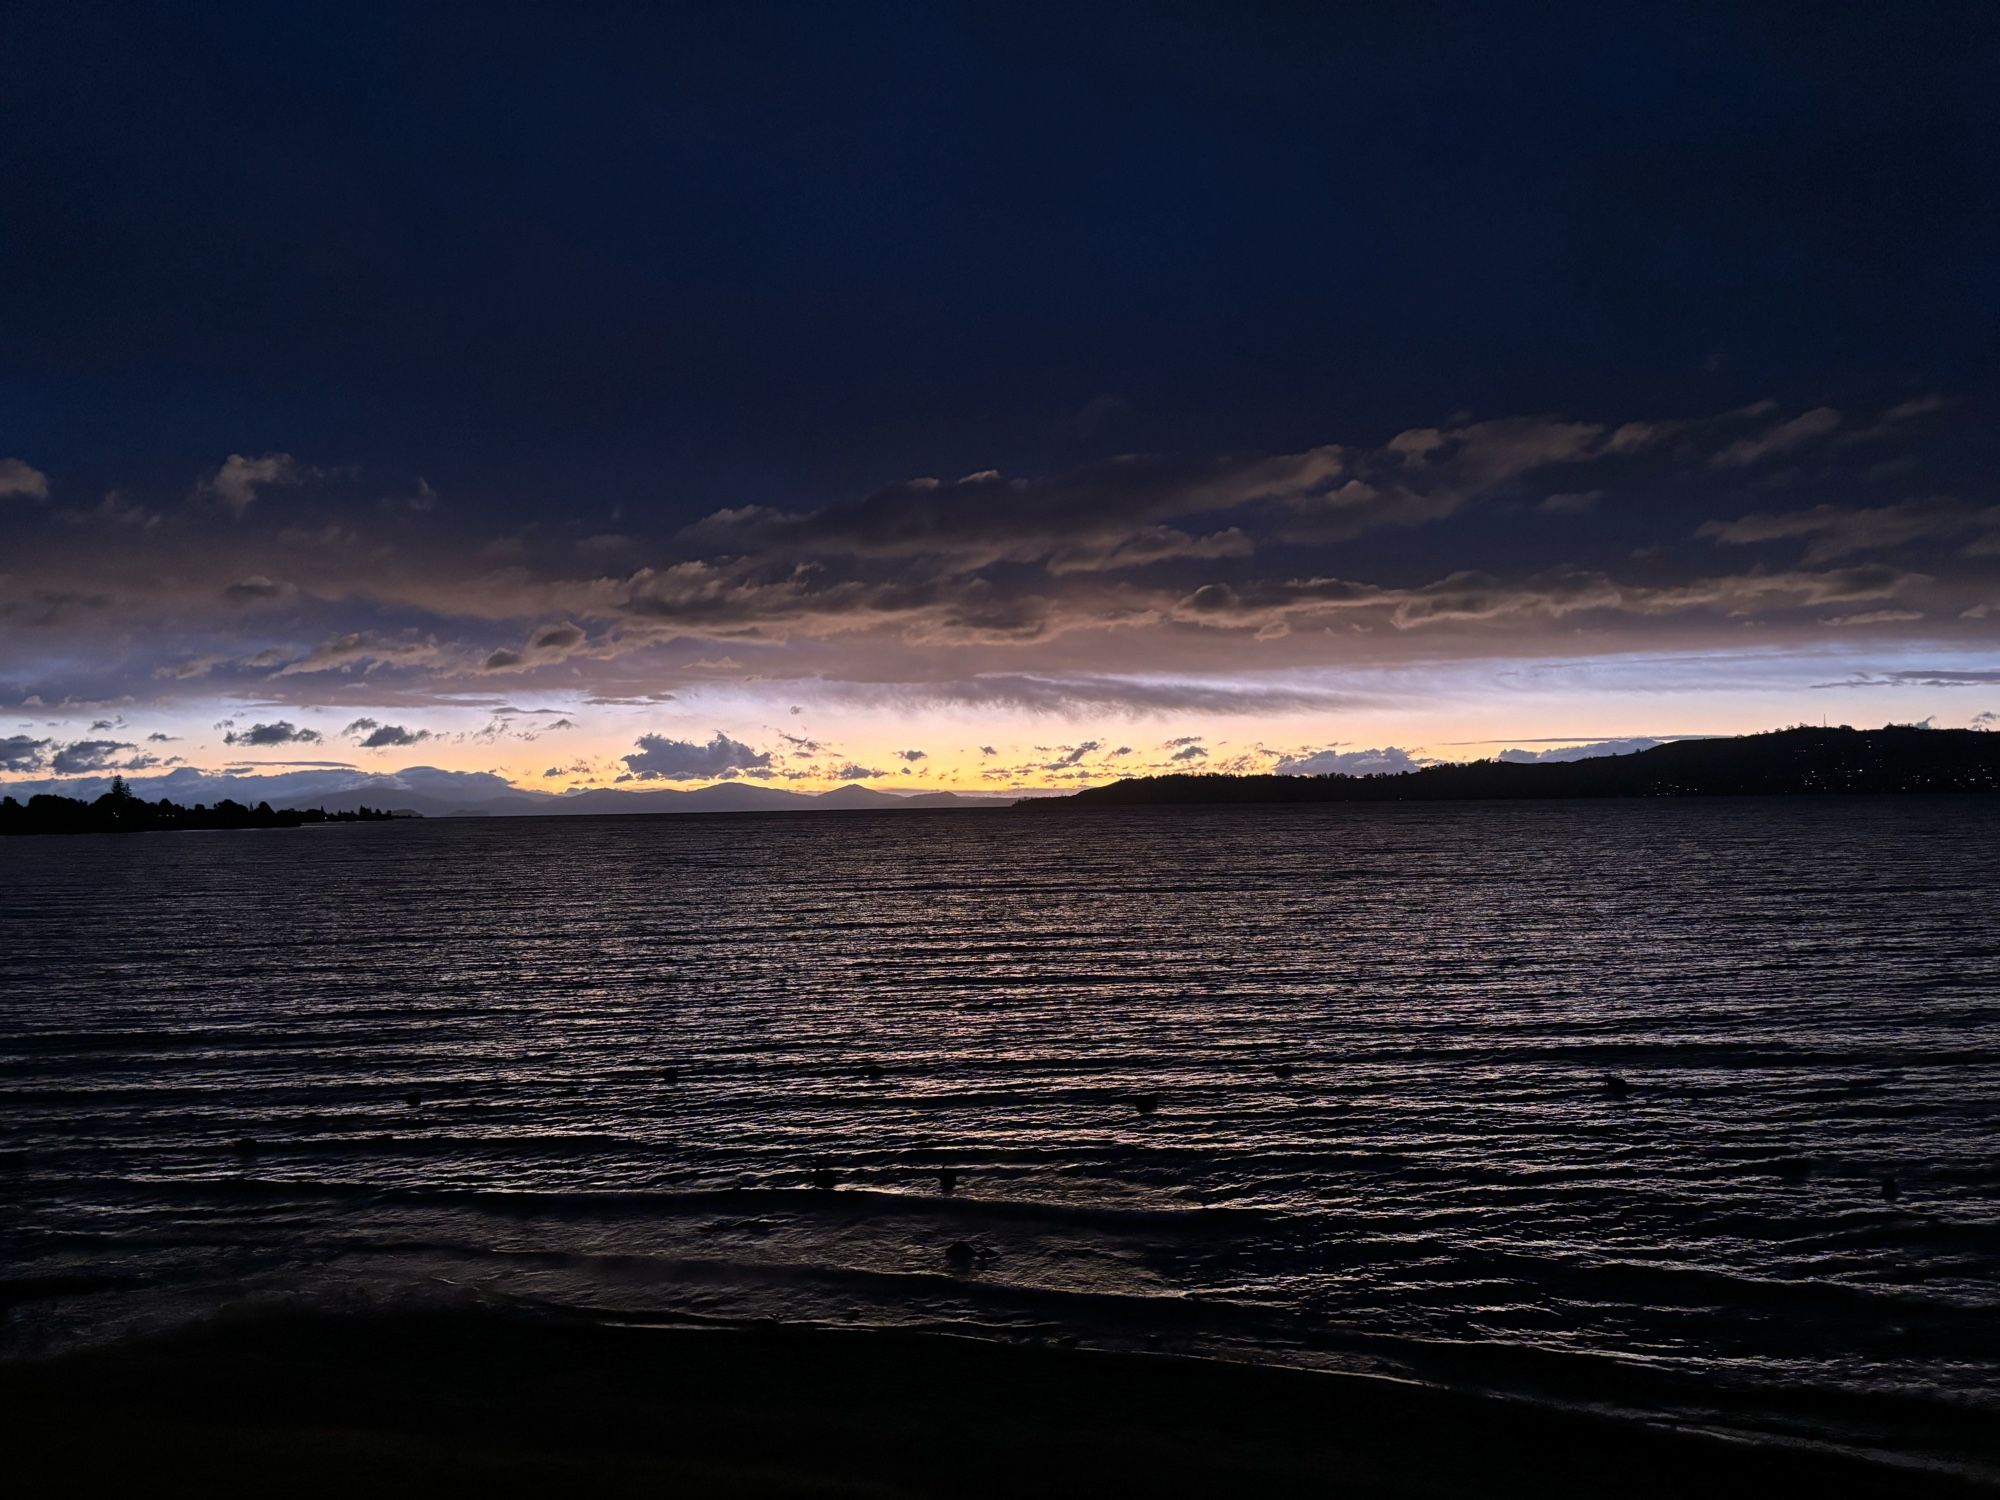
(1786, 762)
(120, 810)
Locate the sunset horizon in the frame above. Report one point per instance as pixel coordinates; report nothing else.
(276, 605)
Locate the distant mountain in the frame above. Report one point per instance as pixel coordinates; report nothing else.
(439, 793)
(338, 788)
(1784, 762)
(387, 792)
(743, 796)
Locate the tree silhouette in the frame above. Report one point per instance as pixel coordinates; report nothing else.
(121, 810)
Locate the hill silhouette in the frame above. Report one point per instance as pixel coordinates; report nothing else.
(1784, 762)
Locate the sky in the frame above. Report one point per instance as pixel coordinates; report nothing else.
(993, 397)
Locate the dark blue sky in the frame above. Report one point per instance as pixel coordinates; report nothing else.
(387, 356)
(667, 256)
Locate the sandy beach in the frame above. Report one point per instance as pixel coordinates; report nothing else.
(452, 1402)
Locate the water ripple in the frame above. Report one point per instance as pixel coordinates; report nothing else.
(598, 1061)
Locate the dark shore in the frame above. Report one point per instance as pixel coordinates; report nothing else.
(467, 1403)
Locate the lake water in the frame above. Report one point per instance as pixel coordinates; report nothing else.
(594, 1064)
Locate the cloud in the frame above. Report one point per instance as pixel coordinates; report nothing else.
(1903, 411)
(1837, 531)
(1425, 474)
(87, 755)
(1189, 752)
(912, 756)
(658, 758)
(1469, 597)
(854, 771)
(355, 648)
(988, 750)
(1590, 751)
(238, 481)
(283, 732)
(1131, 697)
(113, 510)
(253, 590)
(18, 478)
(394, 734)
(774, 589)
(377, 736)
(1481, 454)
(20, 753)
(1104, 517)
(1920, 406)
(1150, 544)
(192, 667)
(1571, 503)
(1073, 754)
(1387, 761)
(1116, 589)
(739, 599)
(788, 573)
(1930, 677)
(1783, 438)
(1877, 617)
(549, 643)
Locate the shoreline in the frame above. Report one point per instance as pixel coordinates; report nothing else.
(322, 1403)
(1077, 805)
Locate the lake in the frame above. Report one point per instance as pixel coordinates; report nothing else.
(1318, 1086)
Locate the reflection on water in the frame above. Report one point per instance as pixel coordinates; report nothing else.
(599, 1063)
